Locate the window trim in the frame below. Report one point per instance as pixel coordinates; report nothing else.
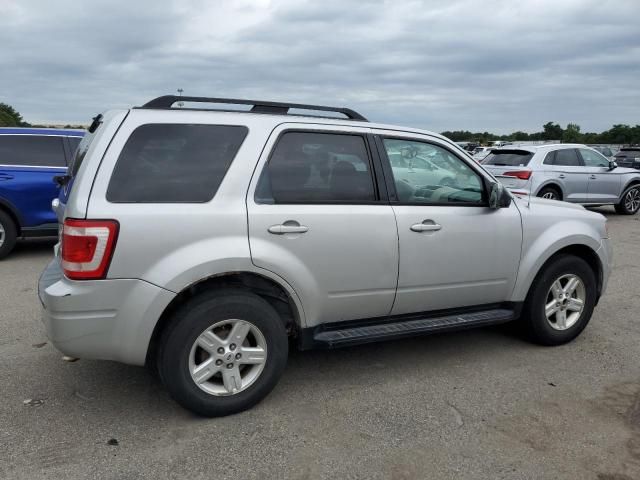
(391, 187)
(165, 202)
(379, 185)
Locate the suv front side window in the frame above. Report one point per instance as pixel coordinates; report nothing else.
(593, 159)
(421, 179)
(314, 167)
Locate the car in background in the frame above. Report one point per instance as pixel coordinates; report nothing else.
(30, 158)
(628, 157)
(606, 151)
(570, 172)
(479, 153)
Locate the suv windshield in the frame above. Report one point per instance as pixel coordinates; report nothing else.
(508, 158)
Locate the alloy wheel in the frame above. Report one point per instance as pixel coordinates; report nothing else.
(550, 196)
(565, 302)
(632, 200)
(228, 357)
(2, 235)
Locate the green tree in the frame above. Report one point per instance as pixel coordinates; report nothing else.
(572, 134)
(552, 131)
(9, 117)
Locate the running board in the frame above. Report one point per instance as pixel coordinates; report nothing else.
(389, 329)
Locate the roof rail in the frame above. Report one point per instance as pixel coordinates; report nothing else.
(258, 106)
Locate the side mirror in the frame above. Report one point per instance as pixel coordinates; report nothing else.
(612, 164)
(499, 196)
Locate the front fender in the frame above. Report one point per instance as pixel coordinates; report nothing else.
(546, 244)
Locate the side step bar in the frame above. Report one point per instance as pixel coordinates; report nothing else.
(389, 329)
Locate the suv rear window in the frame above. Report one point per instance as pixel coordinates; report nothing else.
(174, 163)
(508, 158)
(32, 151)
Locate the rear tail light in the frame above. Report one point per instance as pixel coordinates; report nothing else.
(521, 174)
(87, 247)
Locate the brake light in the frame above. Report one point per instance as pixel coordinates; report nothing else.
(521, 174)
(87, 247)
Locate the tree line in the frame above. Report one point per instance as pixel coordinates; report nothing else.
(618, 134)
(9, 117)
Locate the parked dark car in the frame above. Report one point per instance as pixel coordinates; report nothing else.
(628, 157)
(29, 159)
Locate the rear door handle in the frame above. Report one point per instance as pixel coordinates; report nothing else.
(6, 176)
(562, 175)
(288, 227)
(593, 177)
(426, 226)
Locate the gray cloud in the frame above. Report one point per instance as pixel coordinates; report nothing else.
(492, 65)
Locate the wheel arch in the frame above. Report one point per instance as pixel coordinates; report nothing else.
(630, 184)
(551, 184)
(13, 213)
(282, 298)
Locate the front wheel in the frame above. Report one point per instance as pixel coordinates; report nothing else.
(561, 301)
(8, 234)
(223, 352)
(630, 203)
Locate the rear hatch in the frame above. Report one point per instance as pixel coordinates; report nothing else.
(628, 157)
(510, 167)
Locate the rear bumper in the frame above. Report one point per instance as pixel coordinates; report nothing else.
(101, 319)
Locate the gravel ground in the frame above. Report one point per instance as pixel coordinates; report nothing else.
(471, 405)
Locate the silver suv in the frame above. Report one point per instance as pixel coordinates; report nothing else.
(569, 172)
(202, 243)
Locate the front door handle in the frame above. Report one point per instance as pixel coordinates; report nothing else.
(426, 226)
(5, 176)
(593, 177)
(288, 227)
(562, 175)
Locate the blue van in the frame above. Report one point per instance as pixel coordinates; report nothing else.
(30, 158)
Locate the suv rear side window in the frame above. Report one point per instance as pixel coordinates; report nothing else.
(567, 157)
(174, 163)
(32, 151)
(309, 167)
(508, 158)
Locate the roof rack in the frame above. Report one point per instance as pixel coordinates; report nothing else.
(258, 106)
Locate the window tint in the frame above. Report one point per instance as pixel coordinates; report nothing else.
(308, 167)
(32, 151)
(593, 159)
(74, 142)
(567, 157)
(426, 173)
(508, 158)
(164, 163)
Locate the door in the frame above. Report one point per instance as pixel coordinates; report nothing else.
(604, 183)
(319, 220)
(28, 164)
(565, 168)
(454, 250)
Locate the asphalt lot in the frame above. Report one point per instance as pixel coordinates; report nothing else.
(472, 405)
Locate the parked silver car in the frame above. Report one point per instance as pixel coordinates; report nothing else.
(570, 172)
(204, 243)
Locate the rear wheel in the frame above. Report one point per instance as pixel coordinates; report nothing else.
(561, 301)
(8, 234)
(630, 203)
(550, 193)
(223, 352)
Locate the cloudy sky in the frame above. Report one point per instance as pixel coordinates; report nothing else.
(440, 65)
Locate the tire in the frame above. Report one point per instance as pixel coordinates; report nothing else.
(178, 354)
(630, 202)
(552, 193)
(8, 234)
(549, 331)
